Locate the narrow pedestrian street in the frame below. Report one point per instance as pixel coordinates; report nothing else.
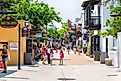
(76, 68)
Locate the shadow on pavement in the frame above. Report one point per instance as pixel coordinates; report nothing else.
(8, 73)
(59, 59)
(16, 77)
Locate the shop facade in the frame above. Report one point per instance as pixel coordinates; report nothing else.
(10, 37)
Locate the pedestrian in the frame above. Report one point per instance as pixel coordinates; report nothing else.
(37, 54)
(84, 49)
(5, 57)
(79, 49)
(74, 48)
(51, 56)
(44, 55)
(48, 53)
(68, 48)
(61, 56)
(56, 47)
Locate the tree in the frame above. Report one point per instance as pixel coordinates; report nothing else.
(5, 4)
(53, 32)
(113, 23)
(64, 30)
(39, 14)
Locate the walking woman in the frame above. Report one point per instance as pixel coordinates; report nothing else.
(44, 56)
(61, 56)
(4, 57)
(79, 49)
(68, 48)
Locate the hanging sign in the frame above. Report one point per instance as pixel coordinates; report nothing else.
(8, 22)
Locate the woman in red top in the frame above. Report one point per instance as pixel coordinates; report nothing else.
(44, 55)
(61, 56)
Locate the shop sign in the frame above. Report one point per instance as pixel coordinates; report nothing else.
(8, 22)
(13, 46)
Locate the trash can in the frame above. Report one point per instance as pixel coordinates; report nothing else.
(96, 55)
(102, 57)
(27, 59)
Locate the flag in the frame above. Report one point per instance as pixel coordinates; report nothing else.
(76, 27)
(69, 25)
(66, 35)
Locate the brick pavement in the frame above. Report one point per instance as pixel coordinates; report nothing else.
(75, 59)
(76, 67)
(82, 59)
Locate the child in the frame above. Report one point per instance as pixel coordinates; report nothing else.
(44, 56)
(56, 48)
(61, 56)
(51, 56)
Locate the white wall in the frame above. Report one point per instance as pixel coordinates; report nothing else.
(104, 16)
(95, 11)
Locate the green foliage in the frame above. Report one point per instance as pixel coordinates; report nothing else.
(64, 30)
(7, 3)
(39, 14)
(53, 32)
(113, 23)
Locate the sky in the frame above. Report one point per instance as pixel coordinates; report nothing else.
(69, 9)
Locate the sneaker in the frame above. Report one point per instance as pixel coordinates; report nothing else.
(4, 72)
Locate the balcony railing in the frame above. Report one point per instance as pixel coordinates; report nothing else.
(93, 23)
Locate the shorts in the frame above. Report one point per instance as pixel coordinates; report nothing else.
(5, 59)
(51, 58)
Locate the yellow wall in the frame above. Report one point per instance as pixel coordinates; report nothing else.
(11, 35)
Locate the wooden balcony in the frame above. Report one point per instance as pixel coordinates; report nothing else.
(85, 4)
(95, 2)
(93, 23)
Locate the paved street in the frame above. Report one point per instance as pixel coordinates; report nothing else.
(75, 68)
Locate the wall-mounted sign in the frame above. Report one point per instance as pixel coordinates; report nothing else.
(13, 46)
(8, 22)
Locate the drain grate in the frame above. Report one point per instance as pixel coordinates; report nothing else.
(66, 79)
(112, 75)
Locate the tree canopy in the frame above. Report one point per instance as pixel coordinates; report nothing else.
(38, 13)
(53, 32)
(59, 33)
(114, 23)
(63, 30)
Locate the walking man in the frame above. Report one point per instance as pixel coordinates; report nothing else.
(48, 53)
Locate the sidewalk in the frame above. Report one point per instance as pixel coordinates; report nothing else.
(75, 68)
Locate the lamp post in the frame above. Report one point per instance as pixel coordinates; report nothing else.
(24, 30)
(19, 40)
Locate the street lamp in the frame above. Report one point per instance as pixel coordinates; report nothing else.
(24, 33)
